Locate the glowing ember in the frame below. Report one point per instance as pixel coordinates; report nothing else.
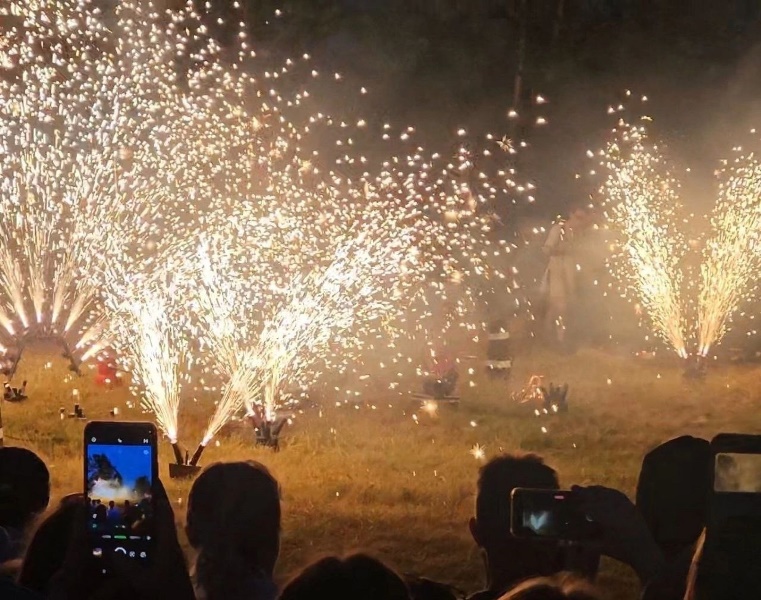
(478, 452)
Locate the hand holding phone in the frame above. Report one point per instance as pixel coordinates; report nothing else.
(730, 566)
(120, 470)
(623, 532)
(597, 517)
(551, 515)
(94, 566)
(166, 576)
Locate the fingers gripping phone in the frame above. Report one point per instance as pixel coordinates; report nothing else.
(120, 470)
(731, 561)
(551, 515)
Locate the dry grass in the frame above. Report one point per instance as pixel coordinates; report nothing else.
(376, 479)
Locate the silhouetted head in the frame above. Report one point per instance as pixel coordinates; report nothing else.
(24, 487)
(672, 492)
(47, 549)
(233, 522)
(491, 525)
(564, 586)
(356, 576)
(579, 214)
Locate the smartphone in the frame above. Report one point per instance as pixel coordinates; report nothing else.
(735, 479)
(730, 566)
(550, 514)
(121, 467)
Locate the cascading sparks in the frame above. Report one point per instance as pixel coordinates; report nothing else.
(731, 256)
(640, 200)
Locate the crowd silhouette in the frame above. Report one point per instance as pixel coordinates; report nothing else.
(233, 525)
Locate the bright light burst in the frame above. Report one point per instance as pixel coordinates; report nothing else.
(478, 452)
(85, 164)
(152, 345)
(378, 275)
(641, 199)
(138, 151)
(115, 127)
(729, 271)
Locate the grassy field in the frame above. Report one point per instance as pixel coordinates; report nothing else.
(402, 487)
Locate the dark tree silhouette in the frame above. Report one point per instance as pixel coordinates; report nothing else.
(99, 466)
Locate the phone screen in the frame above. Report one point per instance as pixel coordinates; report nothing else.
(737, 473)
(119, 477)
(552, 514)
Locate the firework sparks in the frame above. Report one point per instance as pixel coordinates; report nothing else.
(309, 260)
(478, 452)
(388, 249)
(152, 345)
(641, 200)
(731, 257)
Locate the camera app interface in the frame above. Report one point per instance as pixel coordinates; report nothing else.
(555, 516)
(119, 483)
(739, 473)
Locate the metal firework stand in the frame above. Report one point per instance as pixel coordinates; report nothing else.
(499, 356)
(13, 358)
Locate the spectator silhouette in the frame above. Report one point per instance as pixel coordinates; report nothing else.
(509, 560)
(165, 576)
(233, 522)
(351, 578)
(100, 513)
(113, 515)
(671, 493)
(24, 494)
(560, 587)
(47, 548)
(130, 514)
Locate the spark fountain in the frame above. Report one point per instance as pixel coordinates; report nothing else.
(82, 170)
(731, 259)
(402, 235)
(151, 341)
(321, 312)
(640, 198)
(151, 130)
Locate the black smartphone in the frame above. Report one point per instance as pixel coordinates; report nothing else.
(735, 478)
(550, 514)
(121, 467)
(730, 566)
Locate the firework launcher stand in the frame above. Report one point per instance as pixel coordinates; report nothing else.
(441, 378)
(11, 360)
(695, 367)
(267, 428)
(184, 467)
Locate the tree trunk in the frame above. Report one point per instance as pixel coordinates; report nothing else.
(558, 25)
(521, 59)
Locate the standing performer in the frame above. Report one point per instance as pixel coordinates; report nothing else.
(559, 282)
